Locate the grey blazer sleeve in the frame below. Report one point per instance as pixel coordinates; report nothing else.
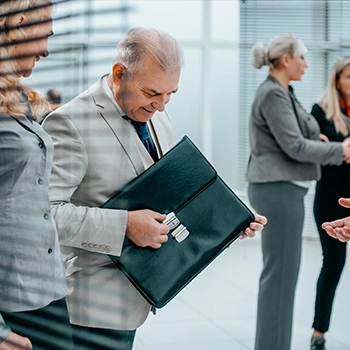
(78, 226)
(283, 124)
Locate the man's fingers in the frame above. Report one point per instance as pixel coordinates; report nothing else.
(155, 245)
(249, 232)
(333, 224)
(345, 202)
(260, 219)
(163, 238)
(341, 235)
(329, 229)
(164, 229)
(158, 216)
(256, 227)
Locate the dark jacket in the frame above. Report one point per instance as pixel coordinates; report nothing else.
(335, 180)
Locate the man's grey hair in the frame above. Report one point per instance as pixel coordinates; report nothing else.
(159, 46)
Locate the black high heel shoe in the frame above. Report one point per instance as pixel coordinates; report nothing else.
(318, 342)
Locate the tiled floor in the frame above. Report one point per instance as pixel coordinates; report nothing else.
(217, 310)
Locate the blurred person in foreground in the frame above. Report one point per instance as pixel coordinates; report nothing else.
(104, 138)
(54, 98)
(286, 153)
(332, 113)
(33, 311)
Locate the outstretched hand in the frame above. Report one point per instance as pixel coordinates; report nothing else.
(339, 229)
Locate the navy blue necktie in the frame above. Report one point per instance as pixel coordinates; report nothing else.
(142, 132)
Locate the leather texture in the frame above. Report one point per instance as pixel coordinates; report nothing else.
(183, 182)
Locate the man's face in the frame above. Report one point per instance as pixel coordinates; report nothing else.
(141, 95)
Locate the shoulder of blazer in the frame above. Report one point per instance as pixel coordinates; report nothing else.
(8, 123)
(24, 122)
(93, 96)
(98, 93)
(272, 83)
(6, 118)
(270, 86)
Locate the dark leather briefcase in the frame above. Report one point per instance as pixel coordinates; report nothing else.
(203, 213)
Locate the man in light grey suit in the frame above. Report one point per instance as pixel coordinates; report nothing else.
(97, 152)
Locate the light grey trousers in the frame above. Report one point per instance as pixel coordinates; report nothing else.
(283, 205)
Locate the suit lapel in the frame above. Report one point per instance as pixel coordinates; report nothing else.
(161, 131)
(27, 124)
(122, 130)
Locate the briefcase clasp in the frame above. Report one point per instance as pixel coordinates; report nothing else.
(172, 221)
(178, 231)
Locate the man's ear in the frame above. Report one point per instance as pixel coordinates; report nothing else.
(13, 22)
(118, 73)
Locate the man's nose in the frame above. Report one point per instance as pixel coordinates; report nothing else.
(160, 102)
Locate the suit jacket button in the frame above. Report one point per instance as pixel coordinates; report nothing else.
(49, 251)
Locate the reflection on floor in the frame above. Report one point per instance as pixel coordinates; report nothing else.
(217, 310)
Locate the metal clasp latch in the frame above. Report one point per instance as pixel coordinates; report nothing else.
(178, 231)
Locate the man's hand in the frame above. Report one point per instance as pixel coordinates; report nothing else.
(16, 342)
(257, 225)
(339, 229)
(146, 228)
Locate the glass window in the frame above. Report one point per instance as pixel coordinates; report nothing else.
(182, 19)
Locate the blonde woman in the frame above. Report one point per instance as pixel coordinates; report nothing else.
(33, 312)
(286, 153)
(332, 113)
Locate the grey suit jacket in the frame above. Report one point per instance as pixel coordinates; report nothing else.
(31, 268)
(96, 153)
(284, 139)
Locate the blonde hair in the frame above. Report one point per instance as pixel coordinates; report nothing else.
(279, 46)
(330, 99)
(11, 86)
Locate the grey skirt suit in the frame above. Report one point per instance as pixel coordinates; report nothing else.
(285, 152)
